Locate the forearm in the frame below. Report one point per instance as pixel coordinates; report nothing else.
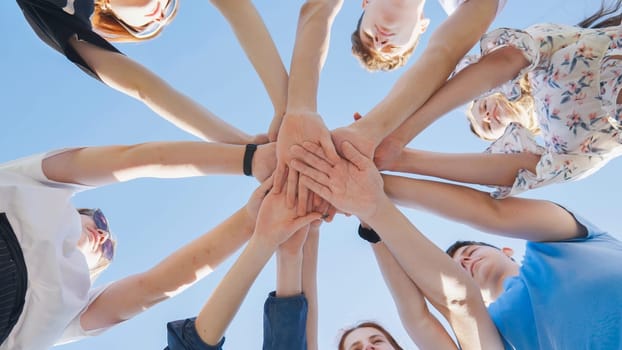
(438, 277)
(528, 219)
(310, 50)
(448, 44)
(98, 166)
(130, 296)
(424, 329)
(474, 168)
(491, 71)
(223, 304)
(259, 47)
(289, 274)
(309, 285)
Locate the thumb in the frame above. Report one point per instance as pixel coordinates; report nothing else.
(302, 221)
(354, 156)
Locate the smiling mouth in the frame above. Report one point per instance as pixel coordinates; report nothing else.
(383, 31)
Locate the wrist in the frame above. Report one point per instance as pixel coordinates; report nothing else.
(381, 206)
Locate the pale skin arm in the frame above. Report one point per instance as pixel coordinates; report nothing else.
(132, 295)
(355, 186)
(491, 71)
(449, 43)
(301, 121)
(129, 77)
(475, 168)
(98, 166)
(256, 41)
(529, 219)
(275, 224)
(309, 283)
(422, 327)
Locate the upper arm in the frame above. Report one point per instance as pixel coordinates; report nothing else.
(535, 220)
(92, 166)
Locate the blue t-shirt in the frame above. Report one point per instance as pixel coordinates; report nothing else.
(568, 295)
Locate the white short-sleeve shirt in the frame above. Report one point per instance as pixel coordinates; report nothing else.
(451, 5)
(47, 227)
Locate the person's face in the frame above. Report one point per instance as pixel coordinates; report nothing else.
(367, 338)
(140, 13)
(487, 265)
(91, 240)
(491, 115)
(391, 28)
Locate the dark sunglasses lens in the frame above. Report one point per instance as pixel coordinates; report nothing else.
(100, 220)
(108, 249)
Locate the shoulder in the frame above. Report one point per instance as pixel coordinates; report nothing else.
(451, 5)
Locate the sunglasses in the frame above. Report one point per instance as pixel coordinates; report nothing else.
(154, 27)
(102, 224)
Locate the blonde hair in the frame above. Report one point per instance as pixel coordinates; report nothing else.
(106, 24)
(372, 60)
(524, 107)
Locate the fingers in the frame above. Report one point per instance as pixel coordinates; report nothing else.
(354, 156)
(305, 169)
(303, 221)
(319, 189)
(292, 187)
(311, 157)
(265, 187)
(330, 152)
(303, 200)
(279, 177)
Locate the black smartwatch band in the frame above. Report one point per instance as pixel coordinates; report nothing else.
(247, 166)
(368, 234)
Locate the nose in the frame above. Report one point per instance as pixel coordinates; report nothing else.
(103, 236)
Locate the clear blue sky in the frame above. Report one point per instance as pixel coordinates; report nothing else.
(48, 103)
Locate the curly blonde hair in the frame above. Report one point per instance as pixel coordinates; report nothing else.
(524, 107)
(372, 60)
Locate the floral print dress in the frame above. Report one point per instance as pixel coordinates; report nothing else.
(575, 85)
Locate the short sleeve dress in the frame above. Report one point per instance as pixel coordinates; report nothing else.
(56, 21)
(575, 83)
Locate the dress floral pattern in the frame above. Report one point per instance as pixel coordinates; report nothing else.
(575, 86)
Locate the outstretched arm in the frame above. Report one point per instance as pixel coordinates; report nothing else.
(530, 219)
(475, 168)
(424, 329)
(129, 77)
(256, 41)
(449, 43)
(309, 283)
(491, 71)
(355, 186)
(301, 121)
(97, 166)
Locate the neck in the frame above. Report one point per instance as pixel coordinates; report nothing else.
(491, 292)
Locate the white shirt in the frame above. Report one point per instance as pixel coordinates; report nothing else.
(47, 227)
(451, 5)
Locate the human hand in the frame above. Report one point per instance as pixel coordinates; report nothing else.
(352, 185)
(295, 129)
(276, 221)
(264, 161)
(275, 125)
(256, 198)
(387, 153)
(259, 139)
(356, 137)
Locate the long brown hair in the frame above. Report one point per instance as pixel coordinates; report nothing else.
(368, 324)
(106, 24)
(603, 12)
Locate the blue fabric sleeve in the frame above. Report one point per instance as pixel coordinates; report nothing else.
(182, 335)
(285, 321)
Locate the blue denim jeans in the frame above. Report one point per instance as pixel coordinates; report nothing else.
(284, 327)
